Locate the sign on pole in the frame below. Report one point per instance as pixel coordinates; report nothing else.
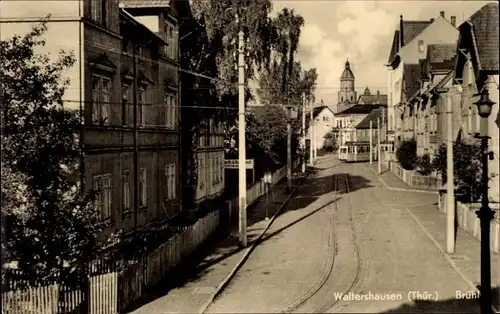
(234, 163)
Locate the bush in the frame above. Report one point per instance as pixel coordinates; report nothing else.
(424, 165)
(466, 169)
(406, 154)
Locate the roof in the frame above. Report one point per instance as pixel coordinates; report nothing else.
(347, 74)
(485, 28)
(359, 109)
(438, 53)
(357, 143)
(374, 99)
(412, 29)
(395, 47)
(145, 3)
(318, 110)
(125, 14)
(411, 78)
(373, 116)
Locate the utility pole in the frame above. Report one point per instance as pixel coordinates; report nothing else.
(303, 133)
(371, 142)
(241, 142)
(379, 160)
(289, 151)
(311, 138)
(450, 197)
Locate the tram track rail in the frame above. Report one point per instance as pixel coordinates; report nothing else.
(329, 270)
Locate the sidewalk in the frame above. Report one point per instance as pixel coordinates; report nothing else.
(209, 267)
(466, 259)
(390, 180)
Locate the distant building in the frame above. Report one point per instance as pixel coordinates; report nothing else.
(369, 98)
(323, 123)
(347, 95)
(346, 121)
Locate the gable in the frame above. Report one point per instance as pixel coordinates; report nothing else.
(439, 32)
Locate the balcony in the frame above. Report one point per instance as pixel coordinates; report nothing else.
(433, 139)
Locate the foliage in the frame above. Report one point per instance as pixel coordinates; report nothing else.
(48, 220)
(406, 154)
(424, 165)
(219, 20)
(466, 168)
(267, 127)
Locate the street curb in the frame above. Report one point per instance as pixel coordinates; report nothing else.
(249, 251)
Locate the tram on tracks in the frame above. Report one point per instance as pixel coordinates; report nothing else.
(356, 152)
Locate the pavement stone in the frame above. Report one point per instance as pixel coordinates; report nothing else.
(204, 278)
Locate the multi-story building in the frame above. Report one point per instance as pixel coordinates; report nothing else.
(429, 102)
(477, 71)
(408, 47)
(125, 81)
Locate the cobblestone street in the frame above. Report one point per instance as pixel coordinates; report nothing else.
(315, 252)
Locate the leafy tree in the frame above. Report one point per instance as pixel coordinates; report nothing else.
(267, 127)
(466, 168)
(406, 154)
(48, 221)
(424, 165)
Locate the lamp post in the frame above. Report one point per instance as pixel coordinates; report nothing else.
(485, 214)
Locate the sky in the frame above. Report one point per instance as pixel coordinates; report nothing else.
(362, 32)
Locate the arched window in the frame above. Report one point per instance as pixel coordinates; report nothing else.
(351, 98)
(342, 98)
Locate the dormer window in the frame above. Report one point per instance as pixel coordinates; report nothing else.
(420, 46)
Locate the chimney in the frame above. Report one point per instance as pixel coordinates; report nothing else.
(432, 20)
(453, 21)
(401, 42)
(441, 13)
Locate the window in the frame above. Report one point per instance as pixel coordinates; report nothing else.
(420, 46)
(201, 173)
(142, 187)
(100, 100)
(124, 104)
(102, 185)
(100, 11)
(141, 105)
(170, 109)
(170, 181)
(215, 169)
(126, 190)
(171, 50)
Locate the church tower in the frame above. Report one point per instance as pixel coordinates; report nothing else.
(347, 95)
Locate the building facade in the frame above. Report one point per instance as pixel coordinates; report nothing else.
(409, 45)
(125, 83)
(476, 71)
(323, 124)
(347, 120)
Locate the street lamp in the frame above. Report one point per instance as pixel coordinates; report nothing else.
(485, 214)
